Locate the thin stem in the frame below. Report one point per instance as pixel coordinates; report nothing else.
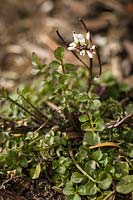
(38, 111)
(99, 60)
(83, 23)
(91, 122)
(78, 166)
(118, 122)
(80, 59)
(90, 78)
(63, 68)
(60, 36)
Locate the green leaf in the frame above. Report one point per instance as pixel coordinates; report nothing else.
(83, 118)
(105, 180)
(35, 59)
(97, 155)
(12, 157)
(121, 169)
(86, 126)
(59, 53)
(23, 162)
(99, 124)
(125, 185)
(35, 171)
(56, 74)
(4, 93)
(77, 177)
(69, 66)
(110, 169)
(63, 79)
(70, 197)
(54, 64)
(82, 154)
(88, 189)
(83, 98)
(92, 138)
(61, 170)
(95, 104)
(76, 197)
(90, 167)
(68, 190)
(124, 87)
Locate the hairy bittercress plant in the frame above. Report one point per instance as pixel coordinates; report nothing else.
(60, 127)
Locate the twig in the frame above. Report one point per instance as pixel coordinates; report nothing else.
(109, 195)
(117, 123)
(55, 108)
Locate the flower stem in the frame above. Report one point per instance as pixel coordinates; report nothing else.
(90, 78)
(78, 166)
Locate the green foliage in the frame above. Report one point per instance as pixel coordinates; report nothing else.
(125, 185)
(55, 127)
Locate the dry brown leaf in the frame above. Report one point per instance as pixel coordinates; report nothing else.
(105, 144)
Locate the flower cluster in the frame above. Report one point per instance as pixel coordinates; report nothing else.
(82, 45)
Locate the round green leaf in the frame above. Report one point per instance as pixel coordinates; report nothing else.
(125, 185)
(99, 124)
(83, 118)
(92, 138)
(77, 197)
(77, 177)
(97, 155)
(105, 180)
(68, 190)
(88, 189)
(83, 98)
(121, 169)
(95, 104)
(54, 64)
(90, 167)
(86, 126)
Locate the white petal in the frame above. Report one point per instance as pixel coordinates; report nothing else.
(71, 48)
(96, 78)
(89, 54)
(82, 52)
(81, 38)
(73, 44)
(88, 36)
(75, 37)
(93, 47)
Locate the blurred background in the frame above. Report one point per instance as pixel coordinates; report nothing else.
(28, 26)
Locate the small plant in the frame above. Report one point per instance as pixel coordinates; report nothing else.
(70, 127)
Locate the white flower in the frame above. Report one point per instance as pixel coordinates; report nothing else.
(82, 45)
(91, 51)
